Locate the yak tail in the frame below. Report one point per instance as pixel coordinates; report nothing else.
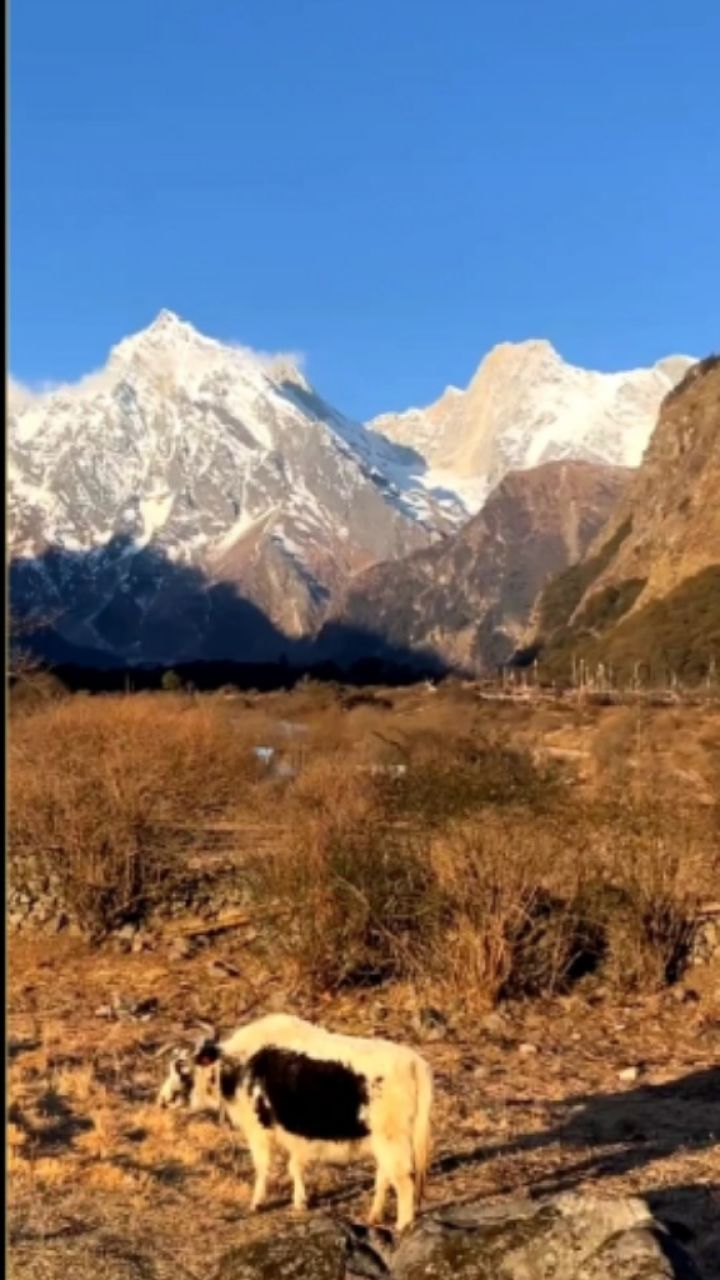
(421, 1125)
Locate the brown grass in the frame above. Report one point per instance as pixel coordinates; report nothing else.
(515, 854)
(510, 887)
(106, 794)
(501, 899)
(355, 894)
(177, 1187)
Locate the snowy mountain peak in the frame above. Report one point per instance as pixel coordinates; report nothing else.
(674, 367)
(198, 497)
(526, 348)
(188, 467)
(518, 361)
(172, 346)
(166, 319)
(167, 335)
(524, 406)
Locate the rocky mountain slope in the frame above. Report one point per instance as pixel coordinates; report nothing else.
(467, 601)
(525, 406)
(151, 500)
(648, 589)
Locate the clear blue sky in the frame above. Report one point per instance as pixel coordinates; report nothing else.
(389, 186)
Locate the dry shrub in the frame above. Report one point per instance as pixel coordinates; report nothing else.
(476, 867)
(310, 697)
(615, 741)
(452, 777)
(33, 690)
(357, 895)
(510, 888)
(538, 904)
(78, 1083)
(518, 899)
(107, 793)
(643, 895)
(327, 788)
(366, 897)
(109, 1177)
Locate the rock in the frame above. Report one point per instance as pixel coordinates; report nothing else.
(628, 1074)
(572, 1236)
(706, 941)
(314, 1250)
(493, 1022)
(527, 1049)
(221, 968)
(145, 1009)
(180, 949)
(276, 1001)
(568, 1237)
(684, 995)
(431, 1024)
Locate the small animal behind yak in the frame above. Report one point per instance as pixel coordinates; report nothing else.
(317, 1096)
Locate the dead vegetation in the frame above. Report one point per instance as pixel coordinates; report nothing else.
(513, 887)
(101, 793)
(577, 1090)
(446, 843)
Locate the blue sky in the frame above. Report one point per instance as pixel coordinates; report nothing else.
(389, 186)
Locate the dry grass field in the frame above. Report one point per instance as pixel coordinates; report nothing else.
(531, 873)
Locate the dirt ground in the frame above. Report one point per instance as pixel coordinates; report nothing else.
(574, 1092)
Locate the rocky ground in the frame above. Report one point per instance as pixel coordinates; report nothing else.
(579, 1093)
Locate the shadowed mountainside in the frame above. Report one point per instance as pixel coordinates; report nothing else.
(151, 612)
(468, 599)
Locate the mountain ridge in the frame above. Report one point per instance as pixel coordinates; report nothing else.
(185, 443)
(468, 599)
(647, 592)
(228, 461)
(525, 405)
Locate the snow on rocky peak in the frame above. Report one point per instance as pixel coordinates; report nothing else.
(189, 477)
(525, 406)
(206, 457)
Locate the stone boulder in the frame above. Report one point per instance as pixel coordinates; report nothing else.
(315, 1250)
(567, 1237)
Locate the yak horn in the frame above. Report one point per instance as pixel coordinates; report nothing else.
(208, 1029)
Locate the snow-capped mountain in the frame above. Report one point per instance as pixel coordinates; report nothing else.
(526, 406)
(185, 455)
(198, 499)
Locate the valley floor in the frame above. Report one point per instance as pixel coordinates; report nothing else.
(574, 1092)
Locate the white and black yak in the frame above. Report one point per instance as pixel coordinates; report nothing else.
(316, 1096)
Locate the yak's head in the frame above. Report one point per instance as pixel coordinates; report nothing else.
(201, 1080)
(177, 1087)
